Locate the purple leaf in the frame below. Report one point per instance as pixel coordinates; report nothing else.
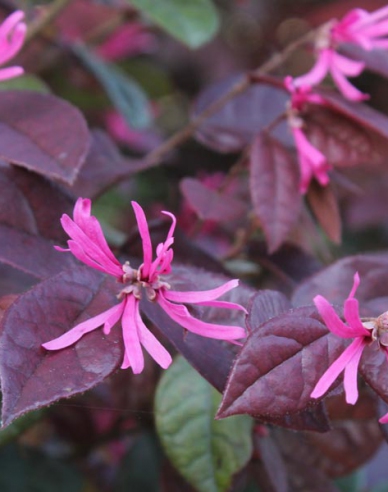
(42, 133)
(274, 184)
(324, 206)
(104, 167)
(264, 305)
(279, 366)
(239, 120)
(28, 225)
(31, 377)
(211, 204)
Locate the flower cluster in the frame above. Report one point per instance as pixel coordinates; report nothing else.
(89, 245)
(364, 332)
(366, 30)
(12, 34)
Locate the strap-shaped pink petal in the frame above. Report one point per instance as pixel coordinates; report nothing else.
(89, 247)
(80, 254)
(164, 257)
(10, 72)
(91, 227)
(351, 371)
(332, 320)
(349, 67)
(134, 354)
(79, 330)
(194, 297)
(223, 305)
(181, 315)
(345, 87)
(145, 237)
(152, 344)
(335, 369)
(317, 73)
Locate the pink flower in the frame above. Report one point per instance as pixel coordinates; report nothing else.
(312, 163)
(339, 67)
(366, 29)
(88, 244)
(363, 333)
(12, 33)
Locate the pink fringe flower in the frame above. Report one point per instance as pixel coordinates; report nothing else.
(312, 163)
(365, 29)
(363, 332)
(12, 34)
(89, 245)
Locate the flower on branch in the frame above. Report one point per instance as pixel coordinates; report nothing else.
(364, 332)
(312, 163)
(369, 30)
(12, 33)
(89, 245)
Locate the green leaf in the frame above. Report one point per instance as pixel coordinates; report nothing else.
(25, 83)
(205, 451)
(193, 22)
(126, 95)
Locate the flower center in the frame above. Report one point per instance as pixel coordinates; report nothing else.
(136, 285)
(378, 328)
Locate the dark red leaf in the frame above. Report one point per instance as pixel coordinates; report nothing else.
(374, 370)
(30, 209)
(104, 167)
(237, 123)
(347, 135)
(264, 305)
(274, 184)
(211, 204)
(279, 366)
(335, 282)
(324, 206)
(42, 133)
(273, 464)
(32, 377)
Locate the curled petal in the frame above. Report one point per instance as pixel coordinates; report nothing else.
(346, 88)
(317, 73)
(87, 326)
(10, 72)
(134, 356)
(337, 367)
(181, 315)
(145, 237)
(332, 320)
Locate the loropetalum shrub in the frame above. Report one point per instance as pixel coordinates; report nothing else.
(263, 356)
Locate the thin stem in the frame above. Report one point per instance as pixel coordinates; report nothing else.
(49, 14)
(156, 156)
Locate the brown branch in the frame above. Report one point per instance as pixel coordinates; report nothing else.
(157, 155)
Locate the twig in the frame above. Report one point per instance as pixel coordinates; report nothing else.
(49, 14)
(156, 156)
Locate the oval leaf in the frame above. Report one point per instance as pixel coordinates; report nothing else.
(206, 452)
(32, 377)
(194, 23)
(279, 366)
(42, 133)
(274, 184)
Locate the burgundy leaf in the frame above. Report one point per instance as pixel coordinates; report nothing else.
(279, 366)
(335, 282)
(42, 133)
(211, 204)
(374, 369)
(104, 167)
(354, 427)
(239, 120)
(264, 305)
(274, 184)
(324, 206)
(348, 135)
(30, 209)
(32, 377)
